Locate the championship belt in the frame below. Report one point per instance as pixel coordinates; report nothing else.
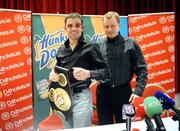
(60, 93)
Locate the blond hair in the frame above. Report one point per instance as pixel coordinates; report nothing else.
(112, 14)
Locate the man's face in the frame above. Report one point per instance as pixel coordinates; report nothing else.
(74, 28)
(111, 27)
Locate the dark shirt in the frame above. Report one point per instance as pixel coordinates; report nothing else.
(124, 59)
(84, 55)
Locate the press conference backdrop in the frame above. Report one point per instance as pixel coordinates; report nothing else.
(16, 105)
(47, 35)
(156, 35)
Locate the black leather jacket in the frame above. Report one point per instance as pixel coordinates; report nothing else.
(85, 55)
(124, 59)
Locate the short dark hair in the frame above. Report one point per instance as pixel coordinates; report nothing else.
(73, 15)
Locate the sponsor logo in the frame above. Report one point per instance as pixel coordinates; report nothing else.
(157, 63)
(151, 44)
(169, 38)
(171, 48)
(136, 18)
(24, 40)
(95, 38)
(27, 50)
(153, 54)
(169, 18)
(5, 116)
(46, 48)
(7, 32)
(18, 18)
(3, 69)
(9, 126)
(159, 73)
(26, 17)
(20, 122)
(6, 80)
(146, 25)
(2, 105)
(5, 21)
(29, 61)
(8, 44)
(163, 20)
(21, 29)
(147, 35)
(28, 28)
(10, 55)
(13, 102)
(10, 91)
(16, 112)
(165, 29)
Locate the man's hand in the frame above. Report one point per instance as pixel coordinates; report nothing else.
(53, 76)
(80, 73)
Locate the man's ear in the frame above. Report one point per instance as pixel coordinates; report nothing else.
(65, 28)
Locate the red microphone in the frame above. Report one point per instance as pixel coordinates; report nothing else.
(140, 112)
(135, 129)
(151, 90)
(139, 107)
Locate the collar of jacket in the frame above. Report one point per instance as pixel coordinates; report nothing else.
(81, 42)
(117, 39)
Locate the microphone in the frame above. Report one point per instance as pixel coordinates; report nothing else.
(140, 112)
(135, 129)
(153, 108)
(139, 107)
(167, 103)
(128, 111)
(151, 90)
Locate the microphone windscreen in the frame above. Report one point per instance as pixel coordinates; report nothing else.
(151, 90)
(128, 110)
(152, 106)
(139, 106)
(167, 101)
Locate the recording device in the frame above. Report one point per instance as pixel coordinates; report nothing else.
(139, 106)
(153, 109)
(167, 103)
(128, 112)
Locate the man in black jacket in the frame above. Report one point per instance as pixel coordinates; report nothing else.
(124, 59)
(85, 62)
